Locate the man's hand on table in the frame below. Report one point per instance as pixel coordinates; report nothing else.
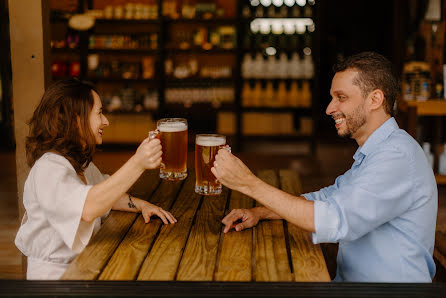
(240, 219)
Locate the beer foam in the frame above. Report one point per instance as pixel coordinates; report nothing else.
(210, 141)
(172, 126)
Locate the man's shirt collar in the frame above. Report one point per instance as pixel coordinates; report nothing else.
(379, 135)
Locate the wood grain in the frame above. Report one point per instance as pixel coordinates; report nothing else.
(200, 255)
(307, 258)
(90, 262)
(270, 246)
(165, 255)
(126, 261)
(235, 263)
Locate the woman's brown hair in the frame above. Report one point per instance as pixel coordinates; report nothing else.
(61, 124)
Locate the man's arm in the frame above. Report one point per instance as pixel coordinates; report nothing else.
(234, 174)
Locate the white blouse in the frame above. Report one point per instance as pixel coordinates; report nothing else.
(52, 232)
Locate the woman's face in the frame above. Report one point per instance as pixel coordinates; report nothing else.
(97, 120)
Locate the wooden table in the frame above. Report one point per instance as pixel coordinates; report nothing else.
(195, 248)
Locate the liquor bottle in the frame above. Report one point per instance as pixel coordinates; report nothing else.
(247, 66)
(293, 95)
(442, 162)
(247, 94)
(428, 153)
(268, 99)
(305, 94)
(281, 94)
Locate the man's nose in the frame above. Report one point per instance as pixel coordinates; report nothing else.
(330, 108)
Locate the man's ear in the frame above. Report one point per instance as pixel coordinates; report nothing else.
(376, 99)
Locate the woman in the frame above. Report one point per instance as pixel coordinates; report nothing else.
(65, 194)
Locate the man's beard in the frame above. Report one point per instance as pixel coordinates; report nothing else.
(354, 121)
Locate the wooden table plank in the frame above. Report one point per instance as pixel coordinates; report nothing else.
(235, 263)
(146, 184)
(307, 258)
(88, 264)
(270, 245)
(200, 256)
(91, 261)
(165, 255)
(126, 261)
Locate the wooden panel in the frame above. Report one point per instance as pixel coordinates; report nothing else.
(429, 107)
(164, 258)
(29, 46)
(235, 263)
(270, 247)
(128, 128)
(441, 179)
(127, 259)
(89, 264)
(307, 258)
(199, 258)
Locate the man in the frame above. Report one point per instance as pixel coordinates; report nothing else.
(382, 211)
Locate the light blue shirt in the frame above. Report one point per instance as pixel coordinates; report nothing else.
(382, 211)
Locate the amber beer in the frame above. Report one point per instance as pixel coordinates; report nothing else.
(206, 147)
(172, 133)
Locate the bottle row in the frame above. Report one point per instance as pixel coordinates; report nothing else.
(277, 67)
(182, 69)
(65, 68)
(189, 96)
(278, 8)
(130, 100)
(223, 37)
(190, 9)
(430, 158)
(143, 69)
(119, 41)
(129, 11)
(294, 94)
(71, 41)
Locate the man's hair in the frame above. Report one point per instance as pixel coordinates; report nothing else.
(374, 72)
(61, 124)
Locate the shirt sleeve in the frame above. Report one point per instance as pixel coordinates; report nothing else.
(61, 194)
(375, 194)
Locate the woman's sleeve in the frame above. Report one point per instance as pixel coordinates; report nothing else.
(61, 195)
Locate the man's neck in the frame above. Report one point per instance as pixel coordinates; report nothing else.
(372, 124)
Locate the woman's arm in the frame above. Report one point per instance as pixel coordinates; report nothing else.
(131, 204)
(102, 196)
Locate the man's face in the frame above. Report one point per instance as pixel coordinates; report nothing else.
(347, 107)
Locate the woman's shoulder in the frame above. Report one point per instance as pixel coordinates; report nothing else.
(52, 160)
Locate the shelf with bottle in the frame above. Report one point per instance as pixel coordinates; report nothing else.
(123, 43)
(199, 38)
(128, 99)
(198, 10)
(112, 69)
(278, 8)
(200, 95)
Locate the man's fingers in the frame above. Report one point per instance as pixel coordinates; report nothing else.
(233, 216)
(239, 227)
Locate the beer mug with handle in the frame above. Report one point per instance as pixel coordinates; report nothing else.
(172, 133)
(206, 148)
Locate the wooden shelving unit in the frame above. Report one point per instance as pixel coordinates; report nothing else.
(165, 27)
(412, 109)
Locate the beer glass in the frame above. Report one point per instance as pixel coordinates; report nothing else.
(172, 133)
(206, 147)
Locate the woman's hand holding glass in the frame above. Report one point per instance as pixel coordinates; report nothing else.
(149, 153)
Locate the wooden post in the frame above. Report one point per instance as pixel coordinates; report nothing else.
(29, 34)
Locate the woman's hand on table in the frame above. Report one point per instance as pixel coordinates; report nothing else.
(148, 209)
